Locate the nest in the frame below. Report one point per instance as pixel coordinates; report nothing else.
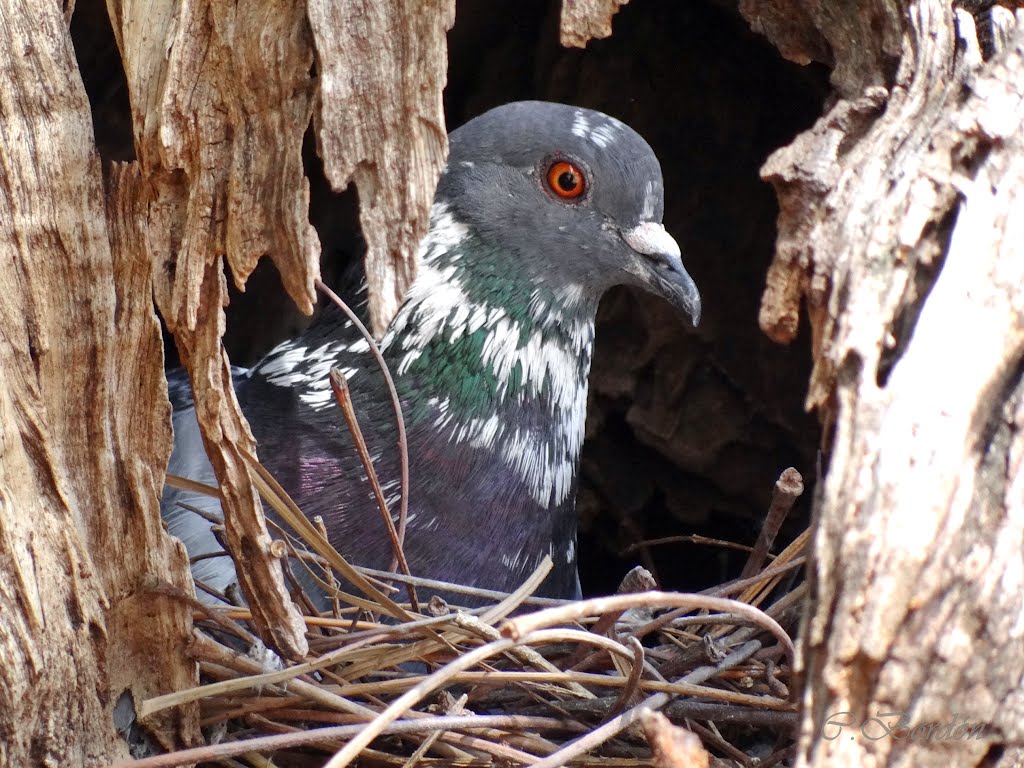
(640, 678)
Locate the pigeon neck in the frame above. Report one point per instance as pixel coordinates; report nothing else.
(489, 357)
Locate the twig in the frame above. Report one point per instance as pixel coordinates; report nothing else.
(211, 517)
(738, 634)
(319, 735)
(722, 711)
(757, 592)
(321, 527)
(205, 648)
(639, 579)
(278, 704)
(524, 653)
(775, 685)
(185, 484)
(434, 681)
(679, 618)
(714, 739)
(787, 490)
(283, 504)
(515, 599)
(601, 734)
(506, 753)
(428, 742)
(732, 714)
(693, 538)
(298, 591)
(409, 698)
(732, 660)
(331, 589)
(416, 650)
(739, 585)
(447, 586)
(202, 586)
(723, 695)
(517, 627)
(339, 386)
(396, 404)
(633, 681)
(213, 613)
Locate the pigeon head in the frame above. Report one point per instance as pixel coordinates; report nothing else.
(575, 195)
(540, 209)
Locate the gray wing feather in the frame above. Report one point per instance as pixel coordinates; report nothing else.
(188, 460)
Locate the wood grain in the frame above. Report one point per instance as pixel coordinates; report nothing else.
(902, 229)
(84, 432)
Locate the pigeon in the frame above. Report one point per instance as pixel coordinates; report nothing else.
(540, 209)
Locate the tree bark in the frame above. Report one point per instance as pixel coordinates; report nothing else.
(902, 228)
(218, 125)
(84, 432)
(380, 124)
(583, 20)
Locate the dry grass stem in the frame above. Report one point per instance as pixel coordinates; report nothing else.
(339, 387)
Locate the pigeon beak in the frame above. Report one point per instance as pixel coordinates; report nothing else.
(651, 240)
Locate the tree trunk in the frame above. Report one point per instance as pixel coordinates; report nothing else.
(902, 226)
(84, 432)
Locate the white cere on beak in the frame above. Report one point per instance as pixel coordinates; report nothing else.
(651, 239)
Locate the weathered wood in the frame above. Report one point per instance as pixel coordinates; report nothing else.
(219, 123)
(902, 227)
(380, 123)
(221, 97)
(585, 20)
(80, 536)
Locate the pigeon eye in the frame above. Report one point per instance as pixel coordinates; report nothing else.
(566, 180)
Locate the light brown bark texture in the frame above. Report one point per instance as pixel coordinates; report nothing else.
(380, 123)
(84, 430)
(902, 230)
(583, 20)
(220, 101)
(219, 122)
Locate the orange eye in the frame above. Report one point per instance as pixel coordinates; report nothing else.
(566, 180)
